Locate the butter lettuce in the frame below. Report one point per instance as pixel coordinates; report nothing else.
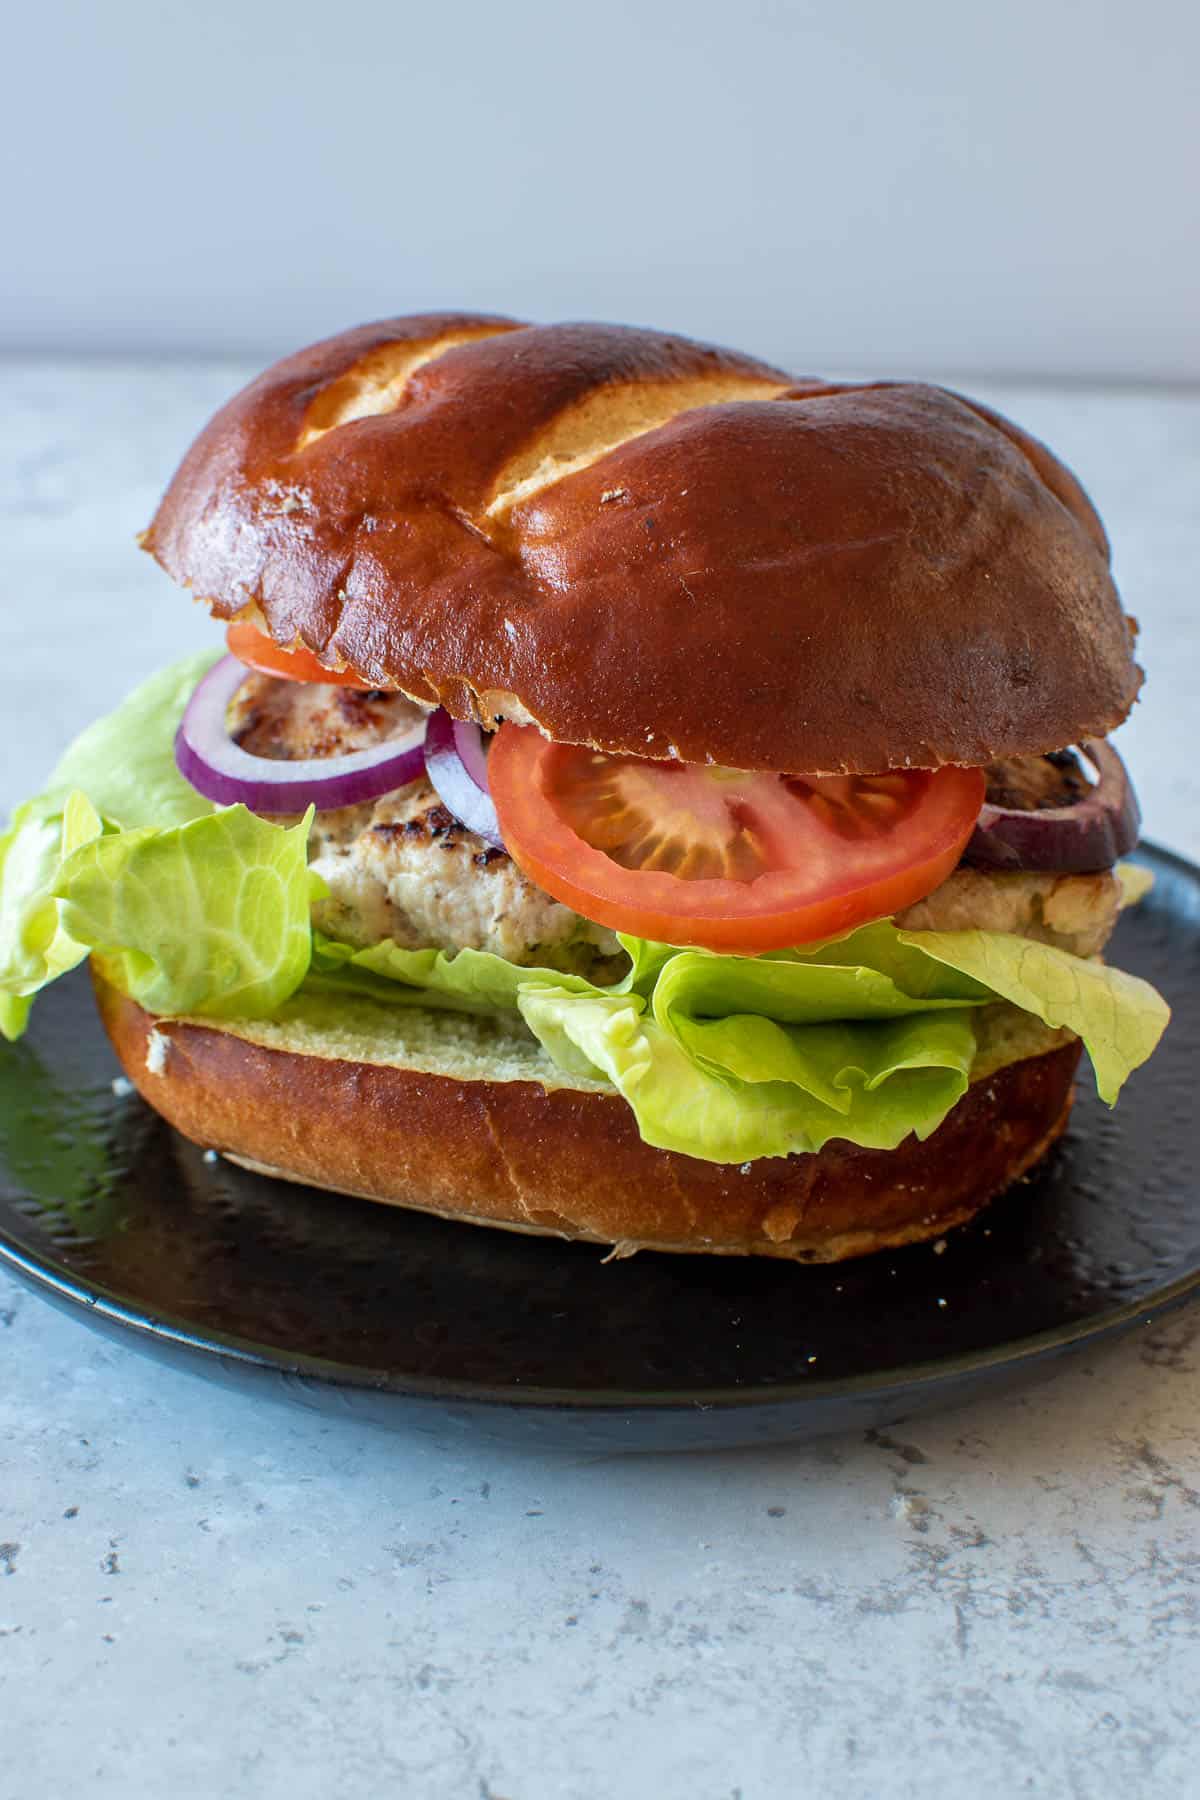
(1119, 1017)
(764, 1091)
(810, 1050)
(34, 946)
(210, 918)
(732, 1058)
(471, 981)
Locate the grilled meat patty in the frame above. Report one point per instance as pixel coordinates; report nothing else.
(1072, 912)
(1035, 783)
(402, 867)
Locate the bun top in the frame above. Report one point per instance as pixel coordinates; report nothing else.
(658, 547)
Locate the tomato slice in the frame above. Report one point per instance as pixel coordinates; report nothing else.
(721, 858)
(258, 651)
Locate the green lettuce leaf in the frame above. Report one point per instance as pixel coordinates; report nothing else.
(1119, 1017)
(731, 1058)
(779, 1093)
(472, 981)
(119, 774)
(35, 947)
(209, 918)
(14, 1015)
(725, 1058)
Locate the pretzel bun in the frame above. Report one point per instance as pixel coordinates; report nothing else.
(657, 547)
(454, 1116)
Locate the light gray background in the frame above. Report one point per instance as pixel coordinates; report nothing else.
(993, 188)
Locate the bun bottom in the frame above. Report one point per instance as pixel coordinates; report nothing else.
(535, 1155)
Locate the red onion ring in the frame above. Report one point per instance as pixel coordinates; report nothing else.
(222, 771)
(456, 764)
(1082, 839)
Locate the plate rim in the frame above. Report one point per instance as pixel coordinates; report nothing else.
(101, 1302)
(47, 1275)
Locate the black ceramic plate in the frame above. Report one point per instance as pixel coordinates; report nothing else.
(402, 1318)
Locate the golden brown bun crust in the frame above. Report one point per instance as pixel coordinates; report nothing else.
(734, 566)
(570, 1163)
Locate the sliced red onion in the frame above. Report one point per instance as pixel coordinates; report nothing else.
(456, 764)
(222, 771)
(1080, 839)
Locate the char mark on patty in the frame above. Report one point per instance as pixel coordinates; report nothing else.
(437, 825)
(290, 721)
(1037, 783)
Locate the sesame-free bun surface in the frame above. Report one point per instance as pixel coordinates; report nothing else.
(658, 547)
(468, 1119)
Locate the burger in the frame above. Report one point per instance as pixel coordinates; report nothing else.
(642, 797)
